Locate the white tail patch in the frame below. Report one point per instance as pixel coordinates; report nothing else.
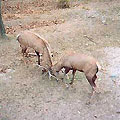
(17, 36)
(99, 66)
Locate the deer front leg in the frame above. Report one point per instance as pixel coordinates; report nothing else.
(65, 73)
(38, 57)
(73, 73)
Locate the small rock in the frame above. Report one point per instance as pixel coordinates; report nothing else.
(10, 77)
(113, 76)
(104, 20)
(25, 84)
(79, 112)
(118, 112)
(9, 70)
(95, 116)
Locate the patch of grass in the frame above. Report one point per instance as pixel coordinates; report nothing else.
(78, 77)
(63, 4)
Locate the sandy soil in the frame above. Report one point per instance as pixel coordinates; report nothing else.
(91, 28)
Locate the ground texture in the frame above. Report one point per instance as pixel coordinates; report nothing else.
(92, 28)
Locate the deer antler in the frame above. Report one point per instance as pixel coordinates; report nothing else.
(50, 75)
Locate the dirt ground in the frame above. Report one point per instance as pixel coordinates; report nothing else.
(92, 28)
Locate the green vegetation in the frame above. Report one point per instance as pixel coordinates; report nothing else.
(63, 3)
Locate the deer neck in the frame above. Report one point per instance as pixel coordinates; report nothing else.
(47, 62)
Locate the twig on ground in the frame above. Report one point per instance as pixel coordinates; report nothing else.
(90, 39)
(33, 54)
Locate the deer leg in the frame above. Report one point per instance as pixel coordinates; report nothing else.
(93, 79)
(24, 48)
(95, 87)
(73, 73)
(65, 72)
(24, 53)
(90, 80)
(38, 57)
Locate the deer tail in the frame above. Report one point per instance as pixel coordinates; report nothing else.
(99, 66)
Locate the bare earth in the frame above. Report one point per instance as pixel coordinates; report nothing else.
(92, 28)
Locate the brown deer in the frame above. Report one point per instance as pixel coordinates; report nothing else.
(80, 62)
(28, 39)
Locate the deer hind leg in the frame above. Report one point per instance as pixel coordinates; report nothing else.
(24, 49)
(91, 80)
(95, 88)
(24, 53)
(38, 54)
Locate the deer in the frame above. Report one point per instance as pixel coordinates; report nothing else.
(78, 62)
(28, 39)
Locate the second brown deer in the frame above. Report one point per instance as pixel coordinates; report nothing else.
(78, 62)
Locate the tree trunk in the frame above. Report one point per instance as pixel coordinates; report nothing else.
(2, 29)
